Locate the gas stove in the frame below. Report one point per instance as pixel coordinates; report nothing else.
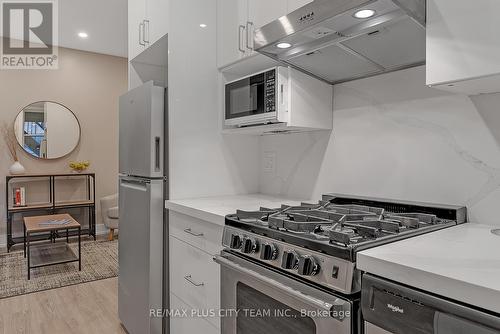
(318, 242)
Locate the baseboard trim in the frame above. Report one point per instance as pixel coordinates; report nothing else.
(100, 229)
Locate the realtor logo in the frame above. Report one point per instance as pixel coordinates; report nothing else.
(29, 34)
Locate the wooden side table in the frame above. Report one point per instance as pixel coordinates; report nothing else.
(41, 255)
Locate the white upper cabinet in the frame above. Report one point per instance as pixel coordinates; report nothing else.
(156, 20)
(236, 23)
(147, 23)
(296, 4)
(136, 15)
(463, 45)
(231, 30)
(262, 12)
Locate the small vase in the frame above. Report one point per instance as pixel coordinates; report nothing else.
(77, 171)
(17, 168)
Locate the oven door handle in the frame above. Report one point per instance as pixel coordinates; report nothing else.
(335, 309)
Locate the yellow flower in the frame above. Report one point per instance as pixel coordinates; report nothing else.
(79, 165)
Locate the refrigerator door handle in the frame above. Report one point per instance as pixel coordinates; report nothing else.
(157, 154)
(137, 184)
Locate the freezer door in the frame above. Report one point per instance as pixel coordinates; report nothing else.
(141, 132)
(140, 254)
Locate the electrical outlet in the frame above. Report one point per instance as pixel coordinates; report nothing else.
(269, 162)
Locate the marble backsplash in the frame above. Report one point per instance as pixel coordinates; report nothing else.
(394, 137)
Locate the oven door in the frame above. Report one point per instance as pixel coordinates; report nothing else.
(268, 301)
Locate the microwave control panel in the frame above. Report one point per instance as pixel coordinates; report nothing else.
(270, 94)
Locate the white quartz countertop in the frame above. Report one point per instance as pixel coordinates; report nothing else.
(214, 209)
(461, 263)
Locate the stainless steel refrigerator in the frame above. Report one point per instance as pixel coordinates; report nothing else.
(143, 166)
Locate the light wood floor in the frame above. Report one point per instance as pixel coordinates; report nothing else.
(78, 309)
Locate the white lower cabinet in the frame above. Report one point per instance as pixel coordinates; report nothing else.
(196, 232)
(194, 276)
(182, 324)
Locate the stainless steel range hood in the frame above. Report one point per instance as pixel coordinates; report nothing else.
(328, 41)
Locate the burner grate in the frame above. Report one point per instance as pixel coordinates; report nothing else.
(341, 225)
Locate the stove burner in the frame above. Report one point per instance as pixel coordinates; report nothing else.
(303, 220)
(386, 224)
(352, 209)
(260, 216)
(338, 224)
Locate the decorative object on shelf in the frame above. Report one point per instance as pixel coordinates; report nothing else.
(19, 196)
(9, 137)
(79, 166)
(35, 121)
(17, 169)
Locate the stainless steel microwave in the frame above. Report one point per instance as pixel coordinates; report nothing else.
(260, 98)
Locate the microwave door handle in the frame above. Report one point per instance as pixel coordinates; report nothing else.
(251, 100)
(339, 304)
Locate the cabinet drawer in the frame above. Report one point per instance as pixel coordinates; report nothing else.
(194, 277)
(201, 234)
(188, 325)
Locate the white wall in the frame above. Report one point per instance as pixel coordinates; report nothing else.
(394, 137)
(87, 83)
(202, 161)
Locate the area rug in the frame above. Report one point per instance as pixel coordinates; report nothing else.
(99, 261)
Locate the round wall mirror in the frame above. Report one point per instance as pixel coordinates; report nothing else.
(47, 130)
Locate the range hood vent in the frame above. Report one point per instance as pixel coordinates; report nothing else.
(325, 38)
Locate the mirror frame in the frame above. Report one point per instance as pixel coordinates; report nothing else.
(47, 159)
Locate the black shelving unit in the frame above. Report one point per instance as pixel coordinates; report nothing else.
(52, 206)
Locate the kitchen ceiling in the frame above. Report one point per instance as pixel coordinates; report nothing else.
(105, 22)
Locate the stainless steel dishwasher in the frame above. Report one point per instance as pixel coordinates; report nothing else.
(389, 307)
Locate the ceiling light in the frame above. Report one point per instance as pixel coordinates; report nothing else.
(364, 13)
(283, 45)
(83, 34)
(203, 25)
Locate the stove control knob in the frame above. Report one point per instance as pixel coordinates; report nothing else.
(249, 245)
(289, 260)
(269, 252)
(235, 242)
(308, 266)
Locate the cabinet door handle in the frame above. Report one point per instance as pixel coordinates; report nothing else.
(250, 32)
(189, 231)
(141, 33)
(241, 29)
(146, 26)
(190, 280)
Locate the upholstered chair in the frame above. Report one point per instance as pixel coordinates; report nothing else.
(109, 213)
